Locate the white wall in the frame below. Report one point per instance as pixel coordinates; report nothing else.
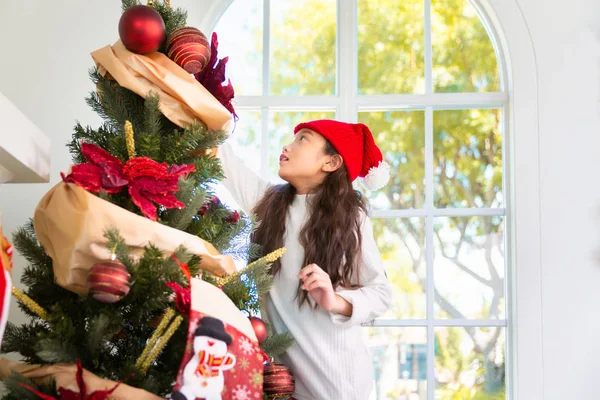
(566, 38)
(43, 70)
(44, 65)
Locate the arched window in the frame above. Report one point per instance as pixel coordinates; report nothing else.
(426, 76)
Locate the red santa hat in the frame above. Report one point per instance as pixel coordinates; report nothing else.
(356, 145)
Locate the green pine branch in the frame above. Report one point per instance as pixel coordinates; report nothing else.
(185, 146)
(103, 137)
(53, 351)
(16, 386)
(193, 197)
(101, 330)
(147, 140)
(277, 344)
(174, 17)
(246, 287)
(22, 339)
(125, 4)
(118, 247)
(26, 244)
(114, 103)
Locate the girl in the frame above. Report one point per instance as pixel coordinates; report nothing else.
(331, 278)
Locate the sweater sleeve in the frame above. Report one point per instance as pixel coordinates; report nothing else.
(245, 186)
(374, 296)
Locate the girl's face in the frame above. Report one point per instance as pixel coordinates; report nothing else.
(304, 163)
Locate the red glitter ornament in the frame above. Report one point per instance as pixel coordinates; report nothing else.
(189, 48)
(278, 381)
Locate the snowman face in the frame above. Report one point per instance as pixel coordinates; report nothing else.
(210, 345)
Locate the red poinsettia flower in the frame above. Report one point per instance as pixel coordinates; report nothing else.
(147, 181)
(213, 76)
(68, 394)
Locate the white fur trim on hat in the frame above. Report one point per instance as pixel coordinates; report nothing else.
(377, 177)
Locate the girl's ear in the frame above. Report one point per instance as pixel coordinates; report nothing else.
(333, 163)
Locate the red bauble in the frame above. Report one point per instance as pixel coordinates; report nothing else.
(278, 381)
(142, 29)
(109, 282)
(260, 329)
(189, 48)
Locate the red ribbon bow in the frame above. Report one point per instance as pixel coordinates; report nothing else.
(147, 181)
(68, 394)
(183, 299)
(183, 295)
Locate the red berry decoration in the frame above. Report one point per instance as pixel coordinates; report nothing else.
(211, 204)
(260, 329)
(233, 218)
(142, 29)
(189, 48)
(109, 282)
(278, 381)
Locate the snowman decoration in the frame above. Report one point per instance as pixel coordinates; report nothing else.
(203, 374)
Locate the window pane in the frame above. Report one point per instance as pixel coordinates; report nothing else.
(303, 50)
(399, 362)
(468, 158)
(401, 138)
(463, 54)
(390, 47)
(281, 132)
(469, 267)
(470, 363)
(240, 33)
(402, 246)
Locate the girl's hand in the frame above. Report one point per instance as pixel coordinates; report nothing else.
(318, 285)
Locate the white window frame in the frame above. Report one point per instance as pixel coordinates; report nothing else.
(519, 101)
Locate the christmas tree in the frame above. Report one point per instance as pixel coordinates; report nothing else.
(150, 169)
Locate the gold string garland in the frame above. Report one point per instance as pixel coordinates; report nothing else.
(269, 258)
(155, 345)
(162, 343)
(30, 304)
(150, 3)
(166, 318)
(129, 140)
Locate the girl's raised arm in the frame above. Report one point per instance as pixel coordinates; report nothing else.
(245, 185)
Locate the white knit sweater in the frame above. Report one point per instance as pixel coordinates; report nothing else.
(329, 359)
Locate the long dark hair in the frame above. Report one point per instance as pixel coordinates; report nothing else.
(331, 237)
